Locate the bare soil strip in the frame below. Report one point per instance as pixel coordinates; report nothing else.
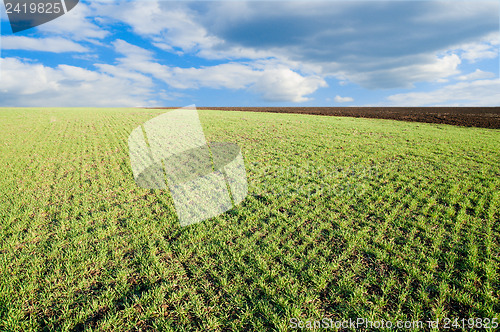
(483, 117)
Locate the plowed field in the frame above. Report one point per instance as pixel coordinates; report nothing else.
(483, 117)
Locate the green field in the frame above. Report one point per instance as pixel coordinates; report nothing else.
(345, 218)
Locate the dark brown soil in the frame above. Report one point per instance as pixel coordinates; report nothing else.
(484, 117)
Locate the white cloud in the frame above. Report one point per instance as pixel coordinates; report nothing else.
(270, 79)
(272, 83)
(475, 93)
(121, 73)
(285, 49)
(167, 24)
(477, 75)
(55, 45)
(475, 52)
(340, 99)
(133, 52)
(321, 39)
(483, 48)
(76, 24)
(285, 85)
(27, 84)
(130, 82)
(433, 69)
(173, 27)
(228, 75)
(443, 11)
(399, 45)
(3, 14)
(137, 59)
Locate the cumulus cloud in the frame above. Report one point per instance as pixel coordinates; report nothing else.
(168, 24)
(400, 44)
(272, 81)
(477, 75)
(272, 84)
(476, 93)
(285, 85)
(377, 44)
(481, 48)
(228, 75)
(281, 50)
(130, 81)
(78, 24)
(174, 27)
(29, 84)
(340, 99)
(445, 12)
(403, 76)
(477, 52)
(131, 51)
(54, 44)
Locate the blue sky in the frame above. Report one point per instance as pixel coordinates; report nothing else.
(256, 53)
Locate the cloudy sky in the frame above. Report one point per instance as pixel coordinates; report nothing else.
(256, 53)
